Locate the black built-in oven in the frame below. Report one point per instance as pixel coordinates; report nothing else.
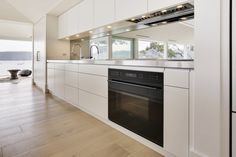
(136, 102)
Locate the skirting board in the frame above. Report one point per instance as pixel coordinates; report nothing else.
(194, 153)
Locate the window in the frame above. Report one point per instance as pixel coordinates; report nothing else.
(122, 48)
(100, 48)
(179, 51)
(150, 49)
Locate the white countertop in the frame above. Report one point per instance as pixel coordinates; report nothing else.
(178, 64)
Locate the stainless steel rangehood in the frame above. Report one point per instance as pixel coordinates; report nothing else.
(177, 13)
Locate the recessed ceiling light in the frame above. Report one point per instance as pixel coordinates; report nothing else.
(163, 11)
(109, 27)
(179, 6)
(67, 38)
(82, 39)
(143, 16)
(133, 19)
(108, 33)
(127, 30)
(90, 32)
(77, 35)
(154, 24)
(164, 22)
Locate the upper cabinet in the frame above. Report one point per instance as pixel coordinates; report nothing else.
(85, 21)
(129, 8)
(154, 5)
(63, 25)
(104, 12)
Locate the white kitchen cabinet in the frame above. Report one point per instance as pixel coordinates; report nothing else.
(176, 120)
(72, 67)
(50, 80)
(94, 84)
(71, 79)
(63, 25)
(94, 104)
(86, 15)
(176, 78)
(233, 135)
(126, 9)
(71, 95)
(59, 82)
(94, 69)
(154, 5)
(104, 12)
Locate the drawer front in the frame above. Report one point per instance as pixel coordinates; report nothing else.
(94, 69)
(50, 80)
(71, 79)
(50, 65)
(72, 67)
(95, 104)
(71, 95)
(176, 78)
(59, 81)
(94, 84)
(59, 66)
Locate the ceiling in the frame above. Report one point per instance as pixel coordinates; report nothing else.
(33, 10)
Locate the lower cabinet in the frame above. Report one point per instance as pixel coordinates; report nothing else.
(50, 80)
(59, 88)
(176, 121)
(93, 103)
(234, 135)
(71, 95)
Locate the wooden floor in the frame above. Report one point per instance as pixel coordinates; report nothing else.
(34, 125)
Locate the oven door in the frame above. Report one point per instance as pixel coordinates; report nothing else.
(138, 108)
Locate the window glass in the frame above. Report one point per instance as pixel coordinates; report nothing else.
(150, 49)
(122, 48)
(99, 48)
(179, 51)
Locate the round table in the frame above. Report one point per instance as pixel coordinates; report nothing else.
(13, 73)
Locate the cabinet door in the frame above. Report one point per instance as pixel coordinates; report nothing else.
(71, 95)
(154, 5)
(104, 12)
(86, 15)
(129, 8)
(234, 134)
(63, 25)
(71, 79)
(94, 104)
(50, 80)
(176, 129)
(59, 83)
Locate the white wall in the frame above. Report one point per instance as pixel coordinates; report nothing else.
(207, 110)
(15, 30)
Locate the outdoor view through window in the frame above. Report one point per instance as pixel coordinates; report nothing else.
(15, 54)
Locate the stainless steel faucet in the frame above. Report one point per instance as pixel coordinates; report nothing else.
(91, 50)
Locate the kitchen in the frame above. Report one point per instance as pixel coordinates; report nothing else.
(155, 71)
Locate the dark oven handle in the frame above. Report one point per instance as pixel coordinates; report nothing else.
(136, 85)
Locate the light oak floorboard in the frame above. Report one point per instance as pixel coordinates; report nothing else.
(36, 125)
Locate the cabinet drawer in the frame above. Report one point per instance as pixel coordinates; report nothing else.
(94, 69)
(176, 121)
(94, 84)
(72, 67)
(176, 78)
(71, 95)
(50, 65)
(50, 80)
(59, 81)
(95, 104)
(59, 66)
(71, 79)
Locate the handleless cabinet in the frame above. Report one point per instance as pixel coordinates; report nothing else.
(154, 5)
(59, 83)
(233, 135)
(104, 12)
(129, 8)
(63, 25)
(50, 80)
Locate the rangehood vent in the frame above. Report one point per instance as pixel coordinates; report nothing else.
(173, 14)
